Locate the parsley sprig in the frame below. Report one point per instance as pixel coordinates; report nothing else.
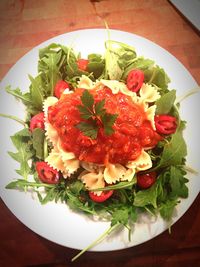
(95, 116)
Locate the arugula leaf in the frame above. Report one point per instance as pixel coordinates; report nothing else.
(120, 215)
(118, 57)
(76, 187)
(157, 76)
(166, 102)
(38, 137)
(26, 97)
(36, 92)
(147, 197)
(57, 62)
(24, 133)
(167, 209)
(24, 152)
(175, 151)
(50, 61)
(139, 63)
(51, 194)
(75, 203)
(52, 48)
(96, 65)
(177, 183)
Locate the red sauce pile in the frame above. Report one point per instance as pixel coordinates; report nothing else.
(132, 130)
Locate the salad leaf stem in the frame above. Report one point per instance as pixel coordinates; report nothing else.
(97, 241)
(191, 170)
(121, 185)
(152, 76)
(68, 58)
(22, 183)
(189, 93)
(13, 118)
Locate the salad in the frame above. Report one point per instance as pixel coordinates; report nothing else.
(102, 134)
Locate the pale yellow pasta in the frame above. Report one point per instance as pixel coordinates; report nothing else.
(142, 163)
(92, 167)
(70, 162)
(128, 175)
(150, 112)
(50, 101)
(117, 87)
(55, 161)
(50, 131)
(92, 180)
(71, 166)
(148, 93)
(85, 83)
(65, 155)
(113, 173)
(67, 167)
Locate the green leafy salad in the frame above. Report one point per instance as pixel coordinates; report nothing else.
(102, 134)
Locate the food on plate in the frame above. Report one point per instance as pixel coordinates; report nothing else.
(102, 134)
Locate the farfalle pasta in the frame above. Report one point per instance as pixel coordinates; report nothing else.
(149, 93)
(93, 180)
(67, 162)
(142, 163)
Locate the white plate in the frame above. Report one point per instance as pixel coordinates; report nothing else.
(55, 221)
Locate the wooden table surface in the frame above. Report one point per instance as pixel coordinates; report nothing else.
(25, 24)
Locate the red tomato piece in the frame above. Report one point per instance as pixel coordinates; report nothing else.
(146, 135)
(37, 121)
(135, 151)
(60, 88)
(135, 80)
(46, 173)
(165, 124)
(128, 128)
(101, 198)
(146, 180)
(82, 64)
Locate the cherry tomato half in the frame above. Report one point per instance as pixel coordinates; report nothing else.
(103, 197)
(46, 173)
(82, 64)
(165, 124)
(146, 180)
(37, 121)
(135, 80)
(60, 88)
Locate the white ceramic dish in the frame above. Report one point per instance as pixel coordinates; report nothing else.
(55, 221)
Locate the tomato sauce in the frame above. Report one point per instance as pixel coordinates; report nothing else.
(132, 130)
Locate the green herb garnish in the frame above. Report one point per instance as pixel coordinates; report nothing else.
(95, 116)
